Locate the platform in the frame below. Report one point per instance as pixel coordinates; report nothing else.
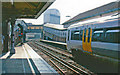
(49, 41)
(25, 61)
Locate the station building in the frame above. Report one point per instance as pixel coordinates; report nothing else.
(52, 29)
(55, 32)
(30, 31)
(34, 32)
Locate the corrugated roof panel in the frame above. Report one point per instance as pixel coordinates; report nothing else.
(24, 9)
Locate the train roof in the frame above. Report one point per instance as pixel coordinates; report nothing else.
(97, 21)
(55, 26)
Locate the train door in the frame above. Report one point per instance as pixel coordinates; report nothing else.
(83, 40)
(86, 39)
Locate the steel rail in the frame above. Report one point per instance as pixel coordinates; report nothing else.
(61, 71)
(55, 50)
(74, 68)
(55, 58)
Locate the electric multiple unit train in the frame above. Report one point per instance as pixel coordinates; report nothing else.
(95, 41)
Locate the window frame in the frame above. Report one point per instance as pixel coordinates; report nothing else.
(72, 34)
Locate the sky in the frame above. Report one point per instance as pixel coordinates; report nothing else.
(70, 8)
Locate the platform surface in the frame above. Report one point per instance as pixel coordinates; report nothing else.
(53, 42)
(25, 61)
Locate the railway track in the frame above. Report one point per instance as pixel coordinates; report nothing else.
(54, 46)
(64, 65)
(55, 50)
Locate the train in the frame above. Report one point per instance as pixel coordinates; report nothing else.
(95, 43)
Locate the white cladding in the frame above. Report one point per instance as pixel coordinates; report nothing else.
(52, 16)
(55, 29)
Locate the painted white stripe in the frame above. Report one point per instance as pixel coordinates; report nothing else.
(35, 57)
(23, 66)
(29, 61)
(54, 42)
(103, 45)
(108, 46)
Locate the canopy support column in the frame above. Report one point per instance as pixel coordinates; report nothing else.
(5, 35)
(12, 50)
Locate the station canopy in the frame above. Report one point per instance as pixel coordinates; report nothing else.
(24, 8)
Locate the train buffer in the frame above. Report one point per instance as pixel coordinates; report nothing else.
(24, 62)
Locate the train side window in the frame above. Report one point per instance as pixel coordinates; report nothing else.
(37, 28)
(89, 35)
(32, 28)
(112, 36)
(75, 35)
(97, 35)
(28, 27)
(84, 35)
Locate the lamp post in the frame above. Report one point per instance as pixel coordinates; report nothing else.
(68, 16)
